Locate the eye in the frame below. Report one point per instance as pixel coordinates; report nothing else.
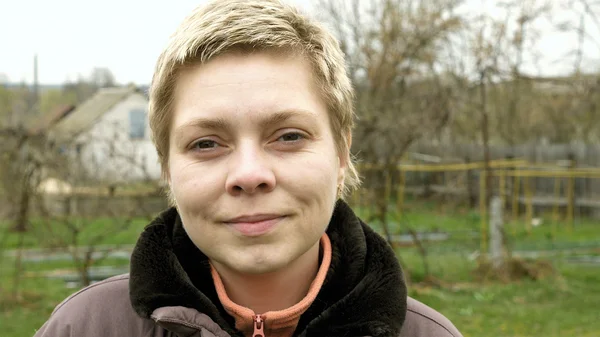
(291, 137)
(204, 144)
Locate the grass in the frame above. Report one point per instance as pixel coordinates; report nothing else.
(565, 305)
(115, 232)
(40, 295)
(464, 227)
(561, 306)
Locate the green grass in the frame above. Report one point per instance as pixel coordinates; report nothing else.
(36, 268)
(565, 305)
(114, 231)
(562, 306)
(40, 295)
(464, 227)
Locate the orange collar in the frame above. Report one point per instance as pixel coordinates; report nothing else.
(277, 323)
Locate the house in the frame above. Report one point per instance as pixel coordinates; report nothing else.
(41, 125)
(107, 138)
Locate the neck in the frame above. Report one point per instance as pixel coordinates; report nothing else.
(271, 291)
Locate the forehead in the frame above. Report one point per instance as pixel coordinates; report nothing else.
(246, 85)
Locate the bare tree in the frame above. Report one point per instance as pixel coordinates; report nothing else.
(102, 77)
(497, 102)
(60, 199)
(19, 175)
(75, 197)
(403, 86)
(586, 87)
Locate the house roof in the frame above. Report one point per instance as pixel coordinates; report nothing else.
(84, 116)
(48, 120)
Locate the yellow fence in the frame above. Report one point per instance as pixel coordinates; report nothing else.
(518, 170)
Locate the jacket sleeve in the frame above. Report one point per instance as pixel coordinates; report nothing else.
(423, 321)
(53, 328)
(101, 309)
(64, 320)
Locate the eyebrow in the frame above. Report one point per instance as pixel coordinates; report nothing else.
(221, 124)
(284, 115)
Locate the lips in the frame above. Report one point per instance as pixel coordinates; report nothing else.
(254, 225)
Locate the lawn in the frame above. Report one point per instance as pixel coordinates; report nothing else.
(464, 227)
(562, 305)
(113, 230)
(40, 296)
(565, 305)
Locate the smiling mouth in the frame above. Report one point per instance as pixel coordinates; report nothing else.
(255, 225)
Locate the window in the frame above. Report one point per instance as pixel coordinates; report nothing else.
(137, 124)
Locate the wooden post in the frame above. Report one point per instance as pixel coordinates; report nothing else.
(555, 211)
(571, 192)
(470, 189)
(503, 188)
(388, 184)
(400, 195)
(515, 201)
(529, 204)
(570, 201)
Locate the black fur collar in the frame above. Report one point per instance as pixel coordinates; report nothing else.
(364, 293)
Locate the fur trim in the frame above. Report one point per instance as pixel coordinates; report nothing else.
(364, 293)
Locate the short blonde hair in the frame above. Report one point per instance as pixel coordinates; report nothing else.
(226, 25)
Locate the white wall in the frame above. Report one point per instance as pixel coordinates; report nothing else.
(109, 154)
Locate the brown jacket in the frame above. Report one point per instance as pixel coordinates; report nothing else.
(104, 309)
(169, 292)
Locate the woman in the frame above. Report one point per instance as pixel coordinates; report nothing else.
(251, 114)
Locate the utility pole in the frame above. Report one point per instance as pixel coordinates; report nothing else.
(36, 90)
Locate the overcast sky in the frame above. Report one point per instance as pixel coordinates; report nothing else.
(73, 36)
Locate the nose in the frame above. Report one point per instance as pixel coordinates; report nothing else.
(250, 172)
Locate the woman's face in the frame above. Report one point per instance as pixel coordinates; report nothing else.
(253, 165)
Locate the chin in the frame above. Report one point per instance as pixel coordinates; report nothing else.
(259, 260)
(261, 264)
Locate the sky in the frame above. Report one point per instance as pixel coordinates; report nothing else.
(71, 37)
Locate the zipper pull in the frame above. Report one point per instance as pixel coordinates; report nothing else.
(259, 327)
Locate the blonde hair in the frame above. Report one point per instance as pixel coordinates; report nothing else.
(226, 25)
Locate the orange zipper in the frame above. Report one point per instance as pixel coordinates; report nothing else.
(259, 326)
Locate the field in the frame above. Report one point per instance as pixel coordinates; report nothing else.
(564, 304)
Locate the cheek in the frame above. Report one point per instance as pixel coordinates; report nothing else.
(314, 181)
(193, 185)
(178, 179)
